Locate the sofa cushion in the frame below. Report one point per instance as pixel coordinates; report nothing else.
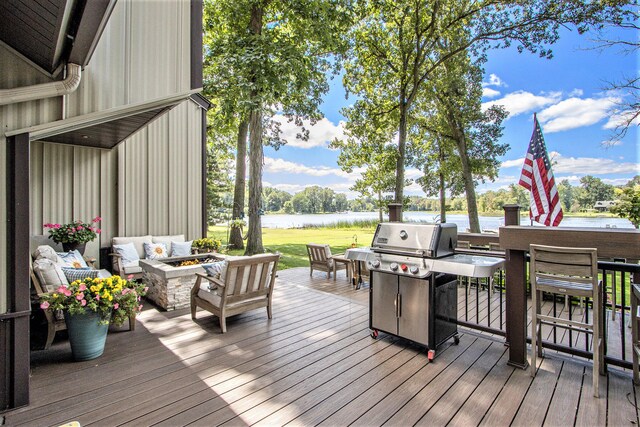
(45, 251)
(167, 240)
(129, 254)
(132, 269)
(155, 250)
(137, 241)
(73, 274)
(49, 274)
(72, 259)
(181, 248)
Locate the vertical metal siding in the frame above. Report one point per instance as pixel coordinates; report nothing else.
(158, 175)
(108, 196)
(195, 171)
(86, 190)
(143, 54)
(178, 169)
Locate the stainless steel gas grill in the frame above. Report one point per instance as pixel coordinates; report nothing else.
(413, 280)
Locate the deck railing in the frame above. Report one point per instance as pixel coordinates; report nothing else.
(483, 305)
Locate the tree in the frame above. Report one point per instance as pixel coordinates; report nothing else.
(278, 55)
(399, 45)
(593, 190)
(628, 204)
(568, 194)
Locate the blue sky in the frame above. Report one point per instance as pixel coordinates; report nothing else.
(575, 113)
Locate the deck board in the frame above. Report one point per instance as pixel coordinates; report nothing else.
(314, 363)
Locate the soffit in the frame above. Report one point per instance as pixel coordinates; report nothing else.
(48, 32)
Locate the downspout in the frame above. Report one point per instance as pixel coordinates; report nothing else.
(43, 90)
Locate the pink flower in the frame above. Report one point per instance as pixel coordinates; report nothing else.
(97, 297)
(44, 305)
(79, 228)
(138, 299)
(126, 291)
(61, 289)
(82, 287)
(80, 296)
(116, 306)
(140, 307)
(129, 277)
(67, 292)
(96, 219)
(98, 231)
(146, 288)
(83, 302)
(48, 225)
(56, 225)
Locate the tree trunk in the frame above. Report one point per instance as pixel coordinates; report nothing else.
(469, 187)
(254, 241)
(402, 142)
(380, 208)
(235, 239)
(254, 235)
(443, 200)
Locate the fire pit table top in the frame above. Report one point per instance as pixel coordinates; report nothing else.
(169, 267)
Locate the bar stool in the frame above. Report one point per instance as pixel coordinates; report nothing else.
(569, 272)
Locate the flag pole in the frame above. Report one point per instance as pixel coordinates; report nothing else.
(531, 194)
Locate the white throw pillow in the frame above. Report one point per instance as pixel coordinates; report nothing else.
(72, 259)
(155, 250)
(216, 269)
(167, 241)
(49, 274)
(181, 248)
(128, 253)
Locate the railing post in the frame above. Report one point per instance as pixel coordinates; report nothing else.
(516, 296)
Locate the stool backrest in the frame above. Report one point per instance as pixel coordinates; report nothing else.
(563, 263)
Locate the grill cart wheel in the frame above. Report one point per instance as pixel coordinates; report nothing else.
(431, 354)
(456, 339)
(374, 334)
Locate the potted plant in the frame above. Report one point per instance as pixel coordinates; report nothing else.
(74, 235)
(89, 306)
(207, 244)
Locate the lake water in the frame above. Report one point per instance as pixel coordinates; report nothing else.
(462, 221)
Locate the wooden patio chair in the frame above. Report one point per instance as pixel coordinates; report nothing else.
(246, 284)
(569, 272)
(320, 258)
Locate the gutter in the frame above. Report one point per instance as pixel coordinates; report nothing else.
(43, 90)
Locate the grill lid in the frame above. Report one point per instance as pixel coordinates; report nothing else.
(422, 240)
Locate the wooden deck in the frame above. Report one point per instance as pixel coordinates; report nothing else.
(313, 363)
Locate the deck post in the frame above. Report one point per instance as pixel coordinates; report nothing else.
(516, 297)
(395, 212)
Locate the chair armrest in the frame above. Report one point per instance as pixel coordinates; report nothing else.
(91, 262)
(117, 259)
(213, 280)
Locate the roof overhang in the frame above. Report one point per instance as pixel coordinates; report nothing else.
(102, 129)
(50, 33)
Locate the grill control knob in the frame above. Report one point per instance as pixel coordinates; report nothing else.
(393, 266)
(375, 263)
(414, 269)
(403, 267)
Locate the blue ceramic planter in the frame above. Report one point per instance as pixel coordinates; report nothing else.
(86, 335)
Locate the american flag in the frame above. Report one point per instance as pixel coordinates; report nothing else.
(537, 177)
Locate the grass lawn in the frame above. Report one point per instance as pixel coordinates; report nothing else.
(291, 242)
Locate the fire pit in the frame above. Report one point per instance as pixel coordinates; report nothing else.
(170, 280)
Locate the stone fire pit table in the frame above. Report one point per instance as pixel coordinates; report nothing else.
(170, 285)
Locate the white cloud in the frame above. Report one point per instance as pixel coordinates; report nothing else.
(575, 112)
(620, 118)
(579, 165)
(576, 92)
(490, 93)
(494, 80)
(520, 102)
(320, 134)
(284, 166)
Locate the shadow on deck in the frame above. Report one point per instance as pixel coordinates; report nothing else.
(313, 363)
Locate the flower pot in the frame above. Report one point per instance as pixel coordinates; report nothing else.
(87, 335)
(74, 246)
